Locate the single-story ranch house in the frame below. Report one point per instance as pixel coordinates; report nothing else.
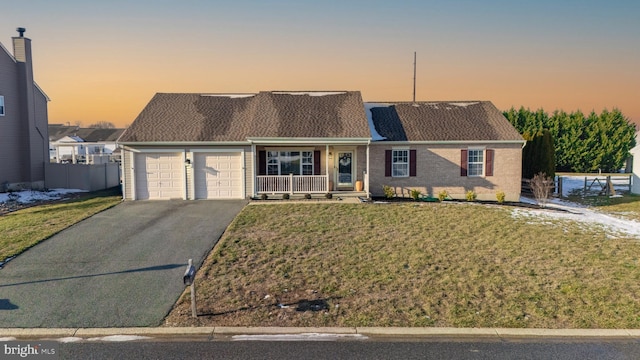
(236, 146)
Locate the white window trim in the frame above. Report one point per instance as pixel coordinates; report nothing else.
(394, 163)
(2, 108)
(484, 160)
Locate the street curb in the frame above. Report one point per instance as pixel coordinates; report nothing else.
(366, 331)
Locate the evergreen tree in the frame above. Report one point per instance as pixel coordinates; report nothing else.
(581, 144)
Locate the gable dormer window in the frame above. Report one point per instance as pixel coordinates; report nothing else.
(1, 105)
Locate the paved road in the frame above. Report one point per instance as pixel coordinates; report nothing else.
(121, 267)
(454, 348)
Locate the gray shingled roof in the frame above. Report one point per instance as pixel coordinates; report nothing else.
(442, 121)
(220, 117)
(57, 132)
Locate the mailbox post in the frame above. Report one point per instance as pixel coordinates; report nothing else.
(189, 280)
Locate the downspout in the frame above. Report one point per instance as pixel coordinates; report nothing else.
(132, 159)
(366, 184)
(254, 172)
(121, 172)
(186, 162)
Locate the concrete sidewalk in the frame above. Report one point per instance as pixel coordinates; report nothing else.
(87, 333)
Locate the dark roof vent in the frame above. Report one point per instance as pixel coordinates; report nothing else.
(21, 31)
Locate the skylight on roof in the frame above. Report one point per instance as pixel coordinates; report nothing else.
(232, 96)
(464, 104)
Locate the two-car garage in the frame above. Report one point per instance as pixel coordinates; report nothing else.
(188, 175)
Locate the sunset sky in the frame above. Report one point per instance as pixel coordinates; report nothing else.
(104, 60)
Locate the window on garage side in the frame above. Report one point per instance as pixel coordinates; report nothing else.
(1, 105)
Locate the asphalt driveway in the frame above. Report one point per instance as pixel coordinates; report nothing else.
(121, 267)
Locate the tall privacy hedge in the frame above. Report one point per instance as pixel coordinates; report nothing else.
(538, 155)
(581, 143)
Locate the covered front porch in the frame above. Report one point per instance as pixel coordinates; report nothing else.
(311, 168)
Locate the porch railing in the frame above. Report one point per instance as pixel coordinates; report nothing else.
(292, 184)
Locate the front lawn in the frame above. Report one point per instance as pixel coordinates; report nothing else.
(426, 264)
(627, 206)
(24, 228)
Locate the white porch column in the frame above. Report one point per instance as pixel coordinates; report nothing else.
(57, 154)
(291, 184)
(326, 156)
(366, 180)
(254, 172)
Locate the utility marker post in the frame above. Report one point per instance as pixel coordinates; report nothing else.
(189, 279)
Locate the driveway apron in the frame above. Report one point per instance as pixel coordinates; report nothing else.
(122, 267)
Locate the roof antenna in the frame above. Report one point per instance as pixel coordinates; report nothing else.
(414, 76)
(21, 31)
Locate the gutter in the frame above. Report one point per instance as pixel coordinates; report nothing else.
(450, 142)
(309, 141)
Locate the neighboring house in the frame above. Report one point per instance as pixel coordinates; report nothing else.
(635, 177)
(23, 120)
(220, 146)
(83, 145)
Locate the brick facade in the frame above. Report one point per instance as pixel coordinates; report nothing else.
(438, 168)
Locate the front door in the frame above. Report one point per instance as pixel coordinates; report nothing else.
(345, 169)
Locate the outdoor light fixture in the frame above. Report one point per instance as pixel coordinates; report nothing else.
(187, 162)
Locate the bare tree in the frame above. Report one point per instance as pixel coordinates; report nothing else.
(102, 125)
(541, 186)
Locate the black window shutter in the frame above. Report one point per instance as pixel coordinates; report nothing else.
(488, 170)
(316, 162)
(262, 162)
(463, 162)
(387, 163)
(412, 163)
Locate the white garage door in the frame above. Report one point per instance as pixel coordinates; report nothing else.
(218, 176)
(159, 176)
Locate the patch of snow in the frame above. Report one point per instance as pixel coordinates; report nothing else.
(375, 136)
(71, 139)
(70, 339)
(611, 225)
(232, 96)
(119, 338)
(577, 212)
(299, 337)
(8, 339)
(310, 93)
(28, 196)
(464, 104)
